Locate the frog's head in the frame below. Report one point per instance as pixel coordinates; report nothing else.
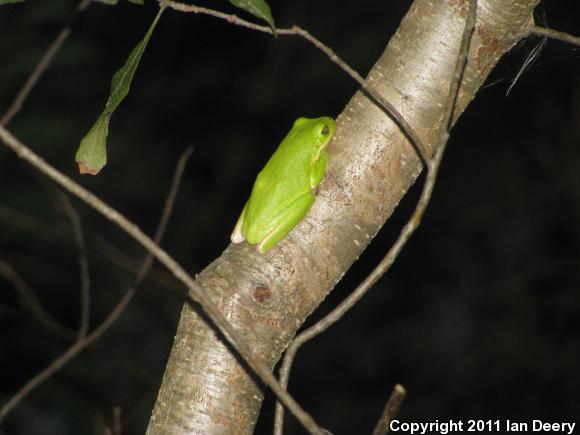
(316, 132)
(323, 130)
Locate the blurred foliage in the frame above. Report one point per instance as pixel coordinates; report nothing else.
(479, 318)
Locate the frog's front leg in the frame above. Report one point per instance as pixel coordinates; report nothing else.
(318, 170)
(287, 219)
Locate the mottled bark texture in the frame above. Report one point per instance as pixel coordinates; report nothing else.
(267, 296)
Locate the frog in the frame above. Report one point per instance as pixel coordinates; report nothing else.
(285, 189)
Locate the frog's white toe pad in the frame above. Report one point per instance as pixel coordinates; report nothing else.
(237, 237)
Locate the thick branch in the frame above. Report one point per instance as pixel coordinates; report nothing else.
(410, 227)
(268, 296)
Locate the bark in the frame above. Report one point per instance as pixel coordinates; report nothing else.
(268, 296)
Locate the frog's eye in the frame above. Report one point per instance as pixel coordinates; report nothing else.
(325, 130)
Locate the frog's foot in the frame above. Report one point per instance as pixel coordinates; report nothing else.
(238, 236)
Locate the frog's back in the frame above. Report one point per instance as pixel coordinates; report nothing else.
(285, 177)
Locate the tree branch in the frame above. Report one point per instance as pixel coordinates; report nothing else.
(85, 287)
(30, 302)
(391, 409)
(555, 34)
(409, 228)
(371, 167)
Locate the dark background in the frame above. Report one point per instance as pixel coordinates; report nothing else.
(479, 317)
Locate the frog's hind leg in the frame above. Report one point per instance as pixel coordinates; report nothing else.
(238, 236)
(288, 219)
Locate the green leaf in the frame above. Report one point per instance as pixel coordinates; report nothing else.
(7, 2)
(91, 155)
(138, 2)
(258, 8)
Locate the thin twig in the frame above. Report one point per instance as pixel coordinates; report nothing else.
(29, 301)
(391, 409)
(126, 262)
(167, 209)
(555, 34)
(83, 342)
(297, 31)
(19, 220)
(85, 287)
(211, 309)
(42, 66)
(409, 228)
(117, 426)
(462, 58)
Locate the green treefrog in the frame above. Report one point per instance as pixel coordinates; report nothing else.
(284, 190)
